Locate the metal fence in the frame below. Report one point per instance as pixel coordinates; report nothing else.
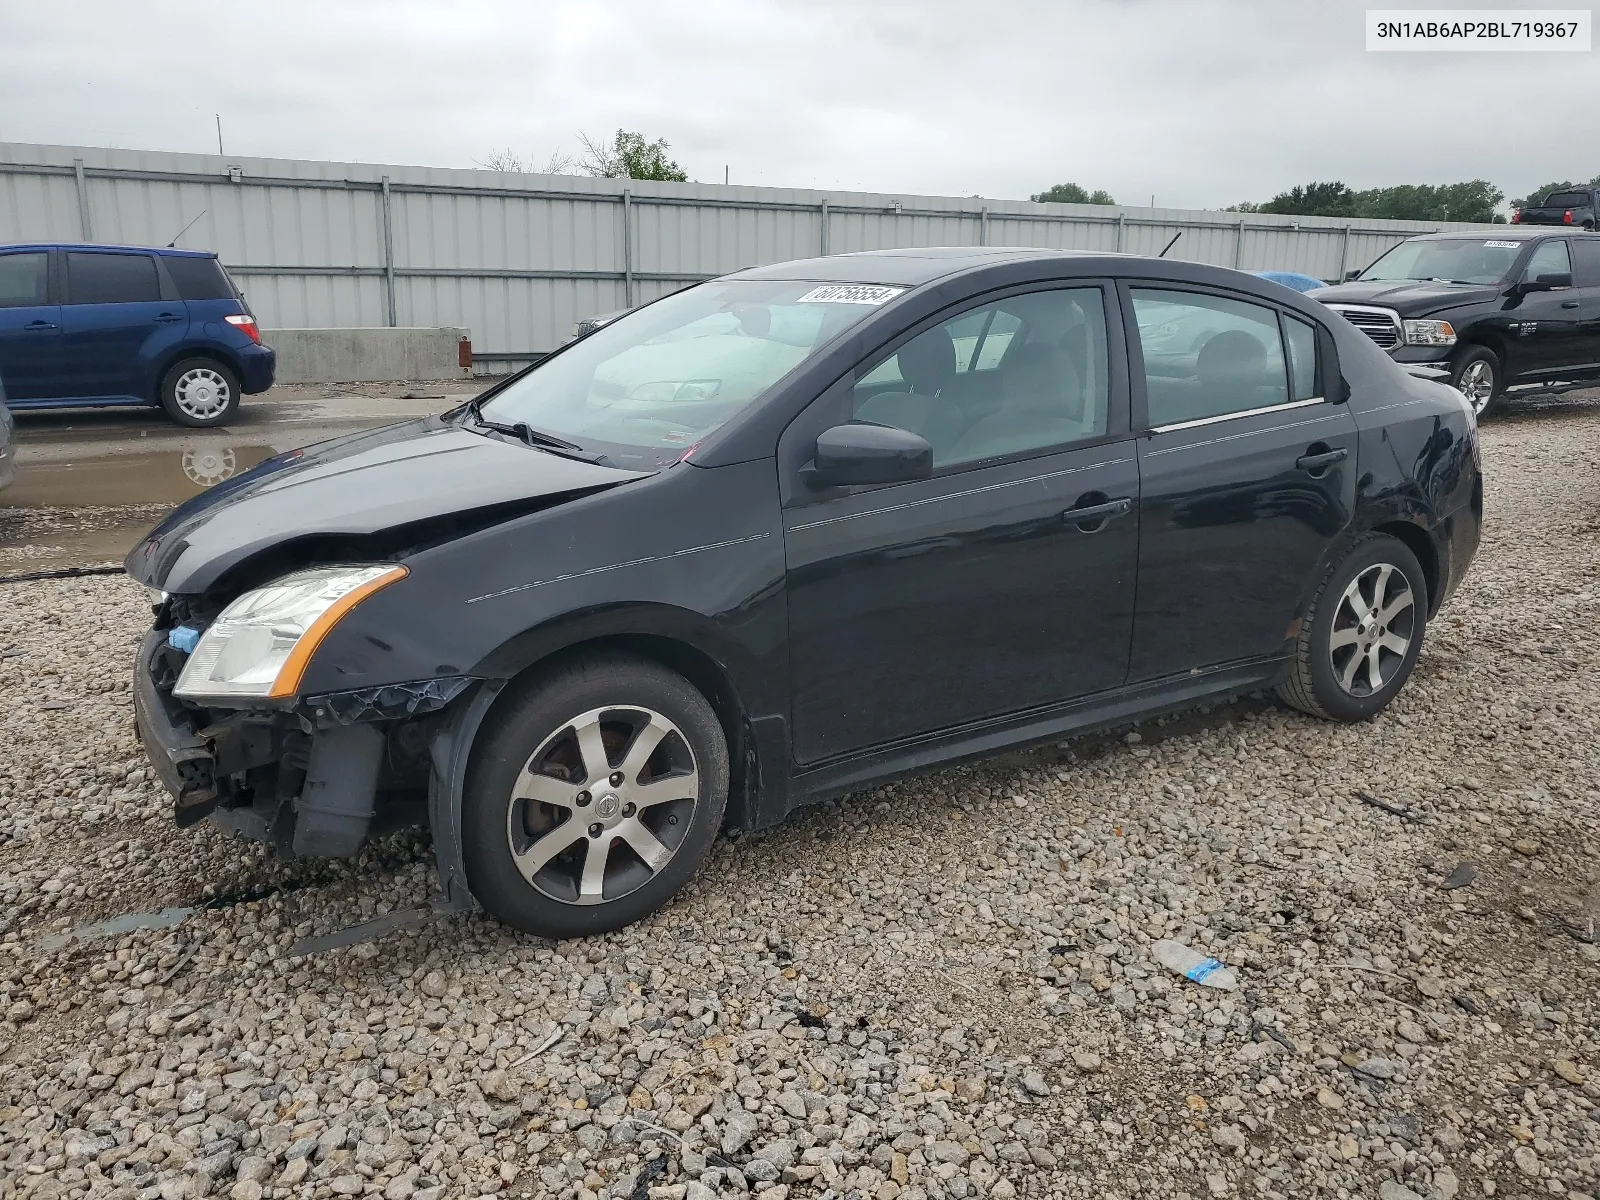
(518, 258)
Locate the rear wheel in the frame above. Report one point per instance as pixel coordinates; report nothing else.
(593, 797)
(1361, 637)
(1476, 375)
(200, 392)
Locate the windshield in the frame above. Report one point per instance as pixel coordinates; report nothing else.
(646, 387)
(1451, 260)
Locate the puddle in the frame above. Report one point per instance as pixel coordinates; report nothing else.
(75, 514)
(127, 923)
(163, 477)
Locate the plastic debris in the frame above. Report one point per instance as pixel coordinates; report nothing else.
(1193, 965)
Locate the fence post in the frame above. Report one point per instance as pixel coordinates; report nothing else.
(388, 257)
(83, 200)
(824, 238)
(1238, 244)
(1344, 255)
(983, 226)
(627, 247)
(1122, 231)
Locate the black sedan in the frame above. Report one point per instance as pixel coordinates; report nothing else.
(787, 533)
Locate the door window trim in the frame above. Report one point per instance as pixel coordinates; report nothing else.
(1119, 411)
(1138, 398)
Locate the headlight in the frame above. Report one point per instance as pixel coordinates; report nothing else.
(260, 645)
(1429, 333)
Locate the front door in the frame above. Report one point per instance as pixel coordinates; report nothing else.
(924, 606)
(1247, 477)
(30, 328)
(1546, 342)
(115, 325)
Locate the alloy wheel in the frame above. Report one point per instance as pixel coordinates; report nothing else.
(1372, 629)
(1477, 384)
(202, 393)
(602, 805)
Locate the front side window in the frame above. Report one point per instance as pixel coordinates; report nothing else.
(1207, 356)
(111, 279)
(1027, 373)
(22, 279)
(1550, 258)
(1448, 260)
(646, 387)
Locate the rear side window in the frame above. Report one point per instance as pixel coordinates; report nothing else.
(1206, 356)
(1301, 338)
(22, 279)
(111, 279)
(1586, 262)
(199, 278)
(1567, 200)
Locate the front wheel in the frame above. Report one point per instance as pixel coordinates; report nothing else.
(200, 392)
(1361, 637)
(592, 797)
(1476, 375)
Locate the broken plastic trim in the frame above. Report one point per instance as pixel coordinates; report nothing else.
(387, 701)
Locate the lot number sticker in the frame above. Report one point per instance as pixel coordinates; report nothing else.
(849, 293)
(1504, 245)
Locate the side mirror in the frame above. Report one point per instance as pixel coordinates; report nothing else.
(860, 453)
(1545, 283)
(1353, 273)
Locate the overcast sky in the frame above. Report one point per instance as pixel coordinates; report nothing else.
(1199, 103)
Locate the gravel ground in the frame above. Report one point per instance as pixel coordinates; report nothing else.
(939, 988)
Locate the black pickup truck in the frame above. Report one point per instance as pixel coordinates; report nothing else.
(1509, 308)
(1578, 207)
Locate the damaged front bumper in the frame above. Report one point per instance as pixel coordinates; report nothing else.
(316, 777)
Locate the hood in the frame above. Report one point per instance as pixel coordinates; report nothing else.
(1408, 297)
(359, 485)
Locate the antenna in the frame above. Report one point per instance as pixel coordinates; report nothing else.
(1170, 244)
(174, 242)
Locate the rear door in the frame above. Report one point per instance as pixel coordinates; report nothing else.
(119, 319)
(30, 327)
(1247, 476)
(1586, 282)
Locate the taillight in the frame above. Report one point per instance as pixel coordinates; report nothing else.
(1516, 216)
(246, 325)
(1566, 217)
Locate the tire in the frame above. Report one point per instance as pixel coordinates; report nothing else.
(200, 392)
(1329, 678)
(554, 893)
(1477, 375)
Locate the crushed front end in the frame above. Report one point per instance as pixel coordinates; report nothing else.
(308, 775)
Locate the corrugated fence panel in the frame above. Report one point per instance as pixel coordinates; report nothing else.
(517, 259)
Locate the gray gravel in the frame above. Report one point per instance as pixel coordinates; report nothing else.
(940, 988)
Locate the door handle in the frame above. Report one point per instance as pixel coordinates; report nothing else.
(1315, 462)
(168, 317)
(1097, 515)
(40, 325)
(1569, 304)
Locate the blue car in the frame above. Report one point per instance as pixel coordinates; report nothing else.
(95, 326)
(1292, 280)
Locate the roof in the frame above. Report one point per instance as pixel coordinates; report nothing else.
(910, 266)
(1499, 233)
(172, 250)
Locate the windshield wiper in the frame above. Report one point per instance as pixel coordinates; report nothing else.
(529, 436)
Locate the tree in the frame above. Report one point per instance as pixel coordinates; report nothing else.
(1474, 200)
(1071, 193)
(509, 160)
(1536, 197)
(629, 156)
